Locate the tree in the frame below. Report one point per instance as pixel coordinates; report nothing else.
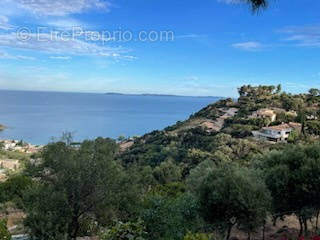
(13, 188)
(292, 175)
(196, 236)
(230, 195)
(199, 174)
(278, 91)
(126, 231)
(4, 233)
(293, 136)
(313, 127)
(255, 4)
(121, 138)
(73, 185)
(167, 172)
(169, 217)
(314, 92)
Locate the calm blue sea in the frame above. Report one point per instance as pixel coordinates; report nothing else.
(36, 117)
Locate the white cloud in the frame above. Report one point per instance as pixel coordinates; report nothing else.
(4, 55)
(230, 1)
(65, 23)
(21, 57)
(61, 7)
(60, 57)
(193, 78)
(305, 36)
(57, 45)
(249, 46)
(4, 23)
(189, 36)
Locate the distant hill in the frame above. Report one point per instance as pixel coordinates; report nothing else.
(157, 95)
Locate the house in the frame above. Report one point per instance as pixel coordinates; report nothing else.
(9, 164)
(267, 113)
(20, 146)
(20, 237)
(279, 133)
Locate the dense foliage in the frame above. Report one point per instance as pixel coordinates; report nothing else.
(4, 233)
(292, 175)
(231, 195)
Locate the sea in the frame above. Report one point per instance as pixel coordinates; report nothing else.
(42, 117)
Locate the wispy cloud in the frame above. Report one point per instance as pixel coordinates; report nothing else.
(230, 1)
(5, 55)
(60, 7)
(4, 23)
(55, 15)
(60, 57)
(65, 23)
(304, 36)
(44, 43)
(189, 36)
(192, 78)
(249, 46)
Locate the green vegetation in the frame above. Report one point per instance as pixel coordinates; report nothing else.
(14, 155)
(292, 175)
(188, 181)
(75, 185)
(230, 195)
(4, 233)
(125, 231)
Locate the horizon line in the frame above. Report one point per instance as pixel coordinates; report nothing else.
(116, 93)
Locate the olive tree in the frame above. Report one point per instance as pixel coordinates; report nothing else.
(230, 195)
(4, 233)
(293, 177)
(73, 185)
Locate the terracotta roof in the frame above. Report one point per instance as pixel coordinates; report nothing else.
(279, 127)
(284, 126)
(266, 112)
(293, 124)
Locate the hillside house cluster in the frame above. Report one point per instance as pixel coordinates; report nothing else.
(278, 133)
(15, 145)
(271, 113)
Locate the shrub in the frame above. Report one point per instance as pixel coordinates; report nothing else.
(126, 231)
(196, 236)
(4, 233)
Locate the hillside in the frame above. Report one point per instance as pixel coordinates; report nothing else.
(224, 130)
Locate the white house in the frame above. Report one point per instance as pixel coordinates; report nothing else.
(279, 133)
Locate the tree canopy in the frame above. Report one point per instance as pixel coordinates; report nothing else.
(74, 185)
(229, 195)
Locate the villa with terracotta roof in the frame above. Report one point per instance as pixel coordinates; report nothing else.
(279, 133)
(267, 113)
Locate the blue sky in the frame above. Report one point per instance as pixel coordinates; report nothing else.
(215, 46)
